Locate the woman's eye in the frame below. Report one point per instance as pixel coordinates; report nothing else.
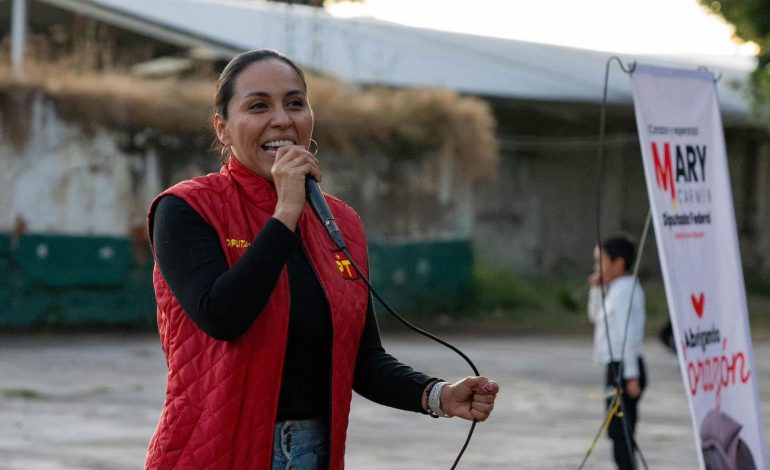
(257, 105)
(296, 103)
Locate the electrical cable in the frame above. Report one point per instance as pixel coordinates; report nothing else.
(424, 333)
(635, 274)
(599, 186)
(630, 443)
(321, 209)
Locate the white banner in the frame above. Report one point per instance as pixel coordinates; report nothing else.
(685, 164)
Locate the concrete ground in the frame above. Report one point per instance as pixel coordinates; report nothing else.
(91, 401)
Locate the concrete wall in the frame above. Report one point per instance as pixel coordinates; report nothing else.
(422, 198)
(73, 203)
(538, 215)
(60, 178)
(64, 180)
(762, 240)
(535, 215)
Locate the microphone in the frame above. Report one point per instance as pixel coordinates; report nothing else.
(318, 203)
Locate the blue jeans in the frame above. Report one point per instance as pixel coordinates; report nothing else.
(300, 445)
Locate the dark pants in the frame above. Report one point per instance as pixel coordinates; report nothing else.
(620, 446)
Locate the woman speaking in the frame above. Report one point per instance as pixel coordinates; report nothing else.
(265, 337)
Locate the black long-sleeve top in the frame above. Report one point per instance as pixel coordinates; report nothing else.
(224, 301)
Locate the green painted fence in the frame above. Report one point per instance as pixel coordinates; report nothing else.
(55, 280)
(67, 281)
(425, 275)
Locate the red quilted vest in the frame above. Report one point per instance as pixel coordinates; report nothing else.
(222, 397)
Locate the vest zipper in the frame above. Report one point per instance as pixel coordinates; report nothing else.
(331, 349)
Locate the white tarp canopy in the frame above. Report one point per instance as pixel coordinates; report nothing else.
(376, 52)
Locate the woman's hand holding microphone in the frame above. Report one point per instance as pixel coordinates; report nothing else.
(292, 164)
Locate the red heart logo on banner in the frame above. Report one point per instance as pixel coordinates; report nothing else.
(697, 303)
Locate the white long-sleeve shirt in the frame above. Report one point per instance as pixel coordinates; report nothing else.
(616, 303)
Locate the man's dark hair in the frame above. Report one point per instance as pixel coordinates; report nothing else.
(620, 246)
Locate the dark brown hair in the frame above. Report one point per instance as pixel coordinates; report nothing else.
(226, 82)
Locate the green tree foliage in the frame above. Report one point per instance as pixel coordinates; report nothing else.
(751, 19)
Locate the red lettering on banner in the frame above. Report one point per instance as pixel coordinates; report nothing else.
(745, 373)
(688, 235)
(664, 175)
(718, 372)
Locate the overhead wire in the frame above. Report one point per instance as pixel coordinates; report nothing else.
(618, 403)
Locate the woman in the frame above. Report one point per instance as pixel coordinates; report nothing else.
(265, 337)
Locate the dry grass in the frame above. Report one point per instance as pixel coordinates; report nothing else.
(350, 120)
(117, 101)
(406, 123)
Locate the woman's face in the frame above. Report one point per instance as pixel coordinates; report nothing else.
(268, 110)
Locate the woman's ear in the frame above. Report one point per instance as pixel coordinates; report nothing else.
(223, 133)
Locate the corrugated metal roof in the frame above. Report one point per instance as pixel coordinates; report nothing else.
(375, 52)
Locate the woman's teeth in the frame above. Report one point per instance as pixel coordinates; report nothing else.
(274, 145)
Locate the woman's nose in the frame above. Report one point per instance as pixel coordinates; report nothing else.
(280, 118)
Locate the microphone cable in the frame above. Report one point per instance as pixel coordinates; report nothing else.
(318, 203)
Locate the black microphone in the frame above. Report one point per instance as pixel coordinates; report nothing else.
(318, 203)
